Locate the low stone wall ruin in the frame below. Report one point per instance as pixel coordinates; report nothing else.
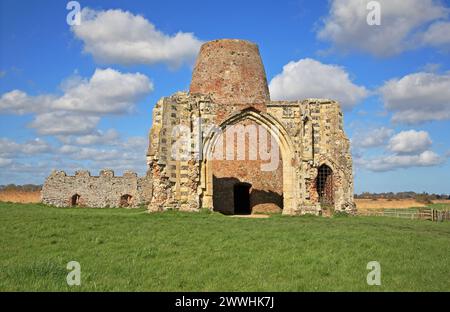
(105, 190)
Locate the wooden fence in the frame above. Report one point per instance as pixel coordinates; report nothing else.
(420, 213)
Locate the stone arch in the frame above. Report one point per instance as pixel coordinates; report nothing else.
(284, 141)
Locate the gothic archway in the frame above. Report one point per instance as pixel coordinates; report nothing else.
(277, 130)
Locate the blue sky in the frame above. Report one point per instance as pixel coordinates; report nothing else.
(64, 103)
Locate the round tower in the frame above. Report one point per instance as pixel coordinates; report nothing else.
(232, 71)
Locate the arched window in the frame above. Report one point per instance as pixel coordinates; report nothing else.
(125, 200)
(75, 200)
(325, 185)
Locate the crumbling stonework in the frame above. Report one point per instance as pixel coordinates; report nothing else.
(105, 190)
(229, 88)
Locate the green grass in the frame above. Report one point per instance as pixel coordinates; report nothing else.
(131, 250)
(440, 206)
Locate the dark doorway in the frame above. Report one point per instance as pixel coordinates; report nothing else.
(241, 192)
(125, 200)
(325, 185)
(75, 200)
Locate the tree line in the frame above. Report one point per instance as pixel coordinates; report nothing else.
(420, 197)
(22, 188)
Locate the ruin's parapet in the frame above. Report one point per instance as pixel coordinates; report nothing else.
(104, 190)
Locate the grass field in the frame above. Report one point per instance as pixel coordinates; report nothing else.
(131, 250)
(364, 204)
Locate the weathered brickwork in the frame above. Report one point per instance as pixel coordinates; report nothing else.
(105, 190)
(233, 72)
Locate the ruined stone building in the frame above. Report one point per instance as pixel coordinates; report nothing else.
(224, 145)
(104, 190)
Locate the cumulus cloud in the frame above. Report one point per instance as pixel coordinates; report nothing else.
(18, 102)
(308, 78)
(64, 123)
(373, 138)
(405, 24)
(405, 149)
(120, 37)
(407, 142)
(108, 91)
(98, 138)
(121, 154)
(32, 147)
(392, 162)
(90, 153)
(78, 109)
(437, 35)
(418, 97)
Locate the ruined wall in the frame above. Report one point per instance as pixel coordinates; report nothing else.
(175, 170)
(316, 127)
(105, 190)
(313, 125)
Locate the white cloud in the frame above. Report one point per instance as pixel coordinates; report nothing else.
(36, 146)
(405, 149)
(373, 138)
(64, 123)
(18, 102)
(108, 91)
(116, 36)
(308, 78)
(78, 109)
(437, 34)
(91, 153)
(123, 154)
(98, 138)
(392, 162)
(407, 142)
(403, 26)
(32, 147)
(5, 162)
(418, 97)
